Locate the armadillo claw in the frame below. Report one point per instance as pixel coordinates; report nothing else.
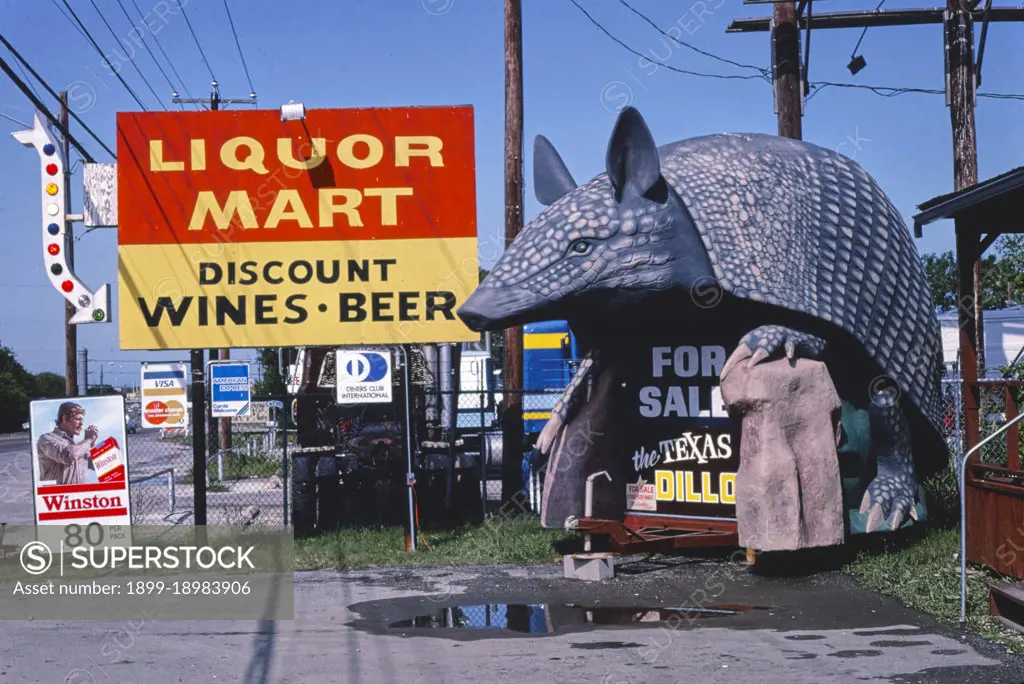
(549, 434)
(759, 355)
(865, 503)
(768, 340)
(742, 352)
(888, 499)
(874, 518)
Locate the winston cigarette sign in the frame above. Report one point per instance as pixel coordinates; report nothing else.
(238, 229)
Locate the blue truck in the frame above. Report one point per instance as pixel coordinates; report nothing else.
(550, 359)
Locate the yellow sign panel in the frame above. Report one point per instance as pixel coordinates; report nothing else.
(320, 292)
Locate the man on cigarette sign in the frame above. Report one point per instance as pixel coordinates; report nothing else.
(238, 229)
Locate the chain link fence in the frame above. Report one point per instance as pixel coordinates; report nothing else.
(246, 471)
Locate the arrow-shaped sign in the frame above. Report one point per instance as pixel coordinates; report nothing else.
(90, 307)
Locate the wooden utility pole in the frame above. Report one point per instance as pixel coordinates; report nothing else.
(786, 70)
(512, 373)
(198, 367)
(957, 19)
(225, 423)
(70, 329)
(960, 97)
(214, 102)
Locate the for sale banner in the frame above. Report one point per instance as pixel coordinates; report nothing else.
(684, 452)
(80, 464)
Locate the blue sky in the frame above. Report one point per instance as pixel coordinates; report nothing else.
(446, 52)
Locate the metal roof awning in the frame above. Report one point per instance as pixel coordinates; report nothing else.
(995, 194)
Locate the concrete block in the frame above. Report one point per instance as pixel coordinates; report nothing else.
(592, 567)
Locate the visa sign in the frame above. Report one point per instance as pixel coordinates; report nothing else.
(363, 376)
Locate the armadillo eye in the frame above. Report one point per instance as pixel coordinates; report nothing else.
(581, 247)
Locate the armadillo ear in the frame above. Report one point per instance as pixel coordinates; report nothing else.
(632, 160)
(551, 178)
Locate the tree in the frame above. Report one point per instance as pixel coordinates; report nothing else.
(941, 272)
(48, 385)
(272, 383)
(15, 390)
(1008, 276)
(1002, 275)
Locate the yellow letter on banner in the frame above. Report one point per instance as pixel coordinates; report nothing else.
(156, 158)
(351, 199)
(318, 153)
(665, 491)
(407, 146)
(388, 202)
(237, 202)
(288, 207)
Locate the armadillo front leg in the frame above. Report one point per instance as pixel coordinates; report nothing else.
(890, 497)
(566, 405)
(772, 341)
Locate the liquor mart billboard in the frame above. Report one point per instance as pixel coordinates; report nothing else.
(238, 229)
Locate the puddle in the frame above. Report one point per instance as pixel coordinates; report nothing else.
(542, 618)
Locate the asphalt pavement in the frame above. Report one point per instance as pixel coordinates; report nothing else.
(357, 627)
(680, 620)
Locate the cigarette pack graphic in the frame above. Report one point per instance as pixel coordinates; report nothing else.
(106, 457)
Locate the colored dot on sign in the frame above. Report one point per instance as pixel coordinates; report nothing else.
(53, 249)
(49, 149)
(322, 308)
(51, 188)
(67, 286)
(53, 228)
(51, 169)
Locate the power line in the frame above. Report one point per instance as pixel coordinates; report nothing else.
(109, 65)
(252, 90)
(603, 30)
(21, 68)
(146, 45)
(23, 87)
(68, 17)
(55, 96)
(765, 72)
(884, 91)
(201, 53)
(160, 47)
(130, 61)
(864, 32)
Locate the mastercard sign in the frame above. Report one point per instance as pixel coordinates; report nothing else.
(164, 393)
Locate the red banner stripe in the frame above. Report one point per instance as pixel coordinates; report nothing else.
(115, 476)
(92, 512)
(77, 489)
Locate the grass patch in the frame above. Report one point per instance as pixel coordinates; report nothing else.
(238, 467)
(925, 575)
(497, 541)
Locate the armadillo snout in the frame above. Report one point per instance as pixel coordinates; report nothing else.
(497, 308)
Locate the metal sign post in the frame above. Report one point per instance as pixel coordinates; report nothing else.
(410, 477)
